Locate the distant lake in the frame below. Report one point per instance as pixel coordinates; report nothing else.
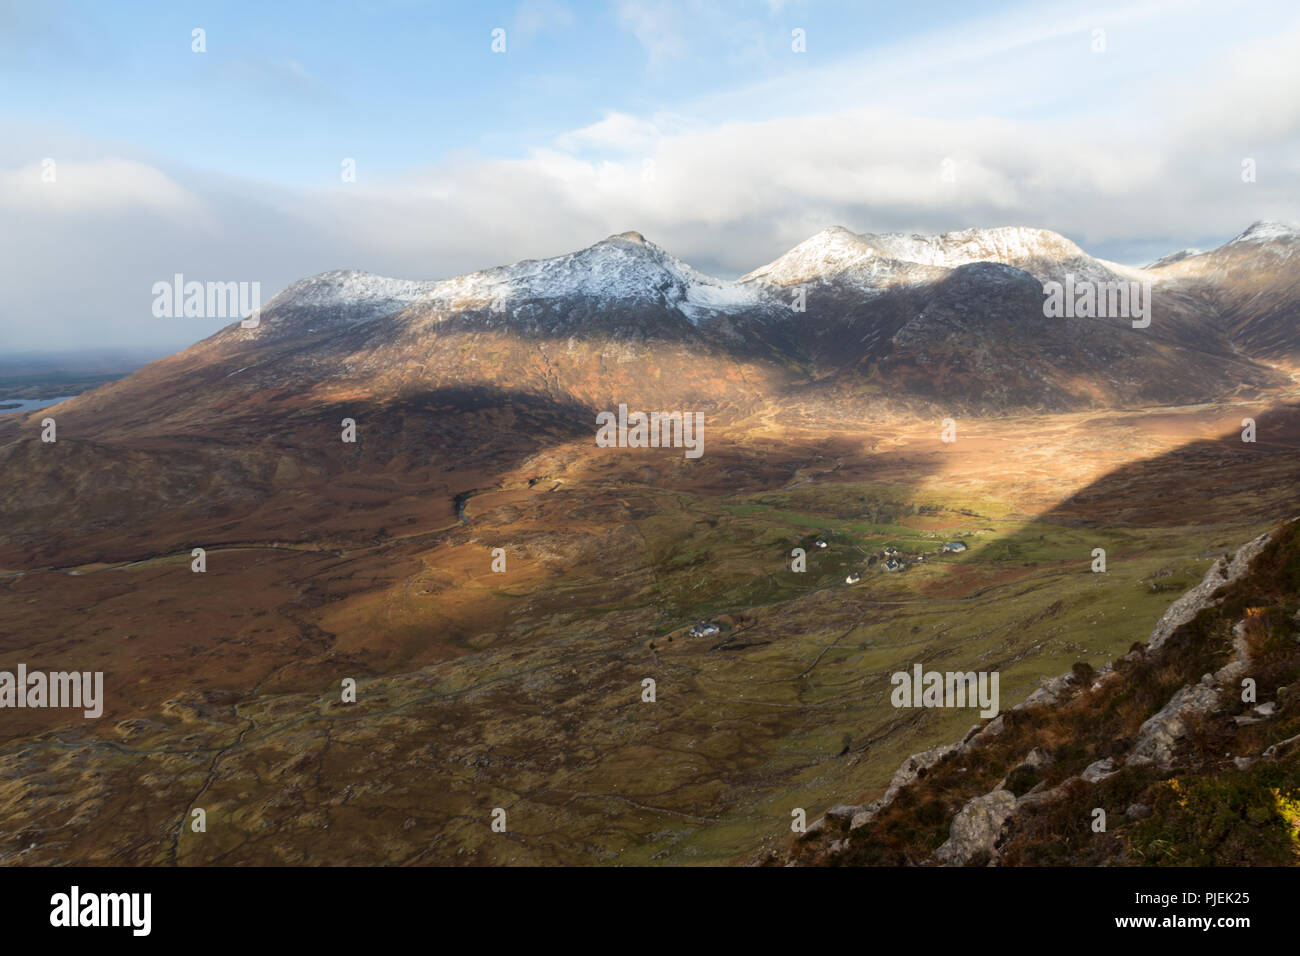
(30, 404)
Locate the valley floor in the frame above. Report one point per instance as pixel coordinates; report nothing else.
(523, 690)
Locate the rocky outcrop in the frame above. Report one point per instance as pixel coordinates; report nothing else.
(976, 830)
(1159, 735)
(851, 817)
(1223, 571)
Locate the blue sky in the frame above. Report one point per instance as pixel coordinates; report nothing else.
(402, 83)
(693, 122)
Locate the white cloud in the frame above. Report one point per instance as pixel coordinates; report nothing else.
(616, 133)
(95, 187)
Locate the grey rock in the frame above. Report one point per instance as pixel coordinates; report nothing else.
(1190, 604)
(1049, 693)
(864, 817)
(839, 817)
(914, 767)
(1282, 748)
(1036, 758)
(992, 729)
(976, 829)
(1041, 795)
(1138, 811)
(1159, 734)
(1100, 770)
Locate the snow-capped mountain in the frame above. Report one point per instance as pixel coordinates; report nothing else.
(954, 321)
(452, 379)
(1262, 241)
(349, 295)
(623, 271)
(876, 261)
(1251, 284)
(1173, 257)
(1266, 230)
(626, 268)
(837, 253)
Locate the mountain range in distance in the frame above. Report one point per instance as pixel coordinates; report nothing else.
(821, 379)
(892, 326)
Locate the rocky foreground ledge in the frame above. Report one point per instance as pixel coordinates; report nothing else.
(1184, 751)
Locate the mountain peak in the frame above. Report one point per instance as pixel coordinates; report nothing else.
(1005, 244)
(878, 256)
(626, 268)
(1267, 230)
(829, 251)
(1173, 257)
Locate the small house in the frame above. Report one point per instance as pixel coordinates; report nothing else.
(704, 629)
(955, 546)
(853, 578)
(819, 543)
(892, 565)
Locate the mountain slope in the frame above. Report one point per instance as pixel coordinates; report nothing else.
(448, 380)
(1253, 283)
(1161, 740)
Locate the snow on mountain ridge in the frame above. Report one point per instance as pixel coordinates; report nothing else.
(1005, 244)
(364, 293)
(623, 268)
(629, 268)
(829, 251)
(873, 261)
(626, 267)
(1173, 257)
(1266, 230)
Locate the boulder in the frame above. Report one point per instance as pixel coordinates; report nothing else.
(1099, 770)
(1138, 811)
(976, 829)
(1159, 734)
(1036, 758)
